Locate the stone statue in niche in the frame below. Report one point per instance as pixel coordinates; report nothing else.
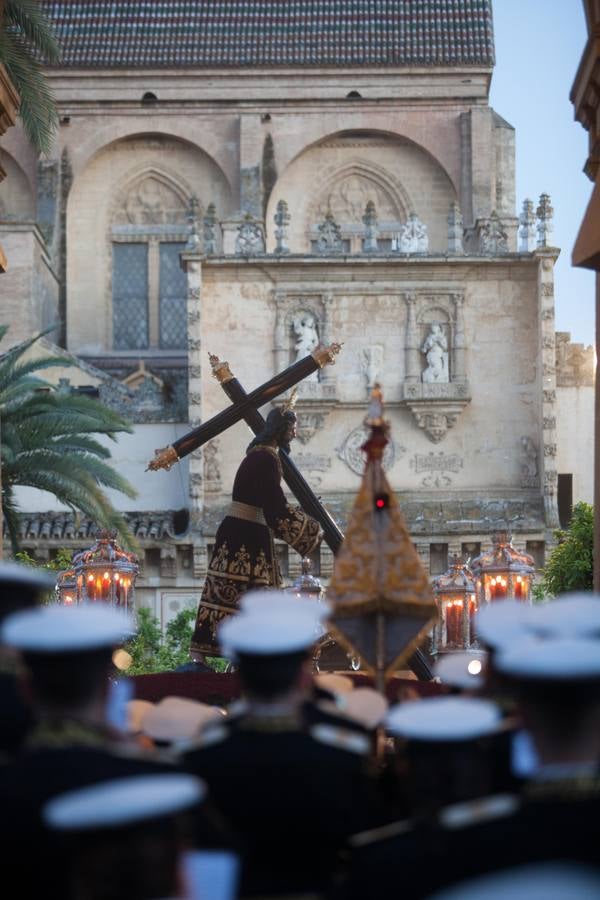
(529, 464)
(306, 335)
(372, 364)
(412, 237)
(435, 348)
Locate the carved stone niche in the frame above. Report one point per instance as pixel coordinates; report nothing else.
(436, 389)
(301, 325)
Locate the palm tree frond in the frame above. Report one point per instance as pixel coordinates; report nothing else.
(29, 19)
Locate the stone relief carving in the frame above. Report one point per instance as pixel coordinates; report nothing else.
(548, 289)
(308, 424)
(436, 467)
(372, 365)
(549, 396)
(312, 462)
(547, 314)
(412, 237)
(168, 561)
(351, 454)
(529, 463)
(250, 239)
(550, 449)
(330, 236)
(151, 201)
(491, 235)
(435, 348)
(549, 423)
(349, 197)
(435, 423)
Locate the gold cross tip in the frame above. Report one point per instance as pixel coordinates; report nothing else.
(324, 356)
(163, 459)
(220, 369)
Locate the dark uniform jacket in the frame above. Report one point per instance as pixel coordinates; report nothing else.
(58, 757)
(547, 821)
(291, 796)
(244, 554)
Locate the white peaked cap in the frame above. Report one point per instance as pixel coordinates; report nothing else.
(551, 659)
(461, 670)
(269, 632)
(256, 601)
(538, 882)
(178, 718)
(501, 622)
(123, 801)
(576, 615)
(30, 577)
(443, 719)
(67, 629)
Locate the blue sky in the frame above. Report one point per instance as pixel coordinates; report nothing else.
(538, 48)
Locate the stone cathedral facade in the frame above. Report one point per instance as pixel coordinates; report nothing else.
(252, 179)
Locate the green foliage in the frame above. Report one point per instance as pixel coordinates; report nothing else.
(26, 42)
(61, 561)
(48, 441)
(151, 652)
(570, 566)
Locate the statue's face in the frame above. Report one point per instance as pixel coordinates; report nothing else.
(290, 432)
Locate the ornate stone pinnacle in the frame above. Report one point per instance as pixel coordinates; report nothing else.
(324, 356)
(220, 370)
(163, 459)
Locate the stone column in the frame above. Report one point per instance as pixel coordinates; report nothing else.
(192, 262)
(547, 355)
(459, 349)
(411, 344)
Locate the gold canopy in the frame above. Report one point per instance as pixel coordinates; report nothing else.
(383, 605)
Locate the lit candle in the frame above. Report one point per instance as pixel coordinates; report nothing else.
(472, 611)
(519, 588)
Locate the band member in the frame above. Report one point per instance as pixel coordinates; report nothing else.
(244, 552)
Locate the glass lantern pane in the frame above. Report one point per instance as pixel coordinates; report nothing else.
(172, 298)
(130, 296)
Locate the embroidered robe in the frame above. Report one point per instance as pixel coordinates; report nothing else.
(244, 554)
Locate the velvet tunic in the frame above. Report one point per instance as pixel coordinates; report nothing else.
(244, 552)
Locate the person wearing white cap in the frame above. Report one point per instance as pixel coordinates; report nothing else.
(21, 587)
(67, 657)
(446, 756)
(291, 794)
(127, 837)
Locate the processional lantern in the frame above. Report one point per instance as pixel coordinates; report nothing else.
(456, 599)
(503, 573)
(105, 573)
(306, 584)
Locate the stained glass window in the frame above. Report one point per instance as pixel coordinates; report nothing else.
(130, 296)
(172, 298)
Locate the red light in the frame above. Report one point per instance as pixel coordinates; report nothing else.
(380, 503)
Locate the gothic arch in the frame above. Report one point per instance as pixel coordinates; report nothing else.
(377, 184)
(165, 203)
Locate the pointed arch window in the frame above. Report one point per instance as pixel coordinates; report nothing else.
(149, 231)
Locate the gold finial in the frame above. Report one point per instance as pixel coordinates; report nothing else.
(163, 459)
(289, 405)
(220, 370)
(326, 355)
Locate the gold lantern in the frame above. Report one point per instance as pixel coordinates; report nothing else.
(503, 573)
(456, 600)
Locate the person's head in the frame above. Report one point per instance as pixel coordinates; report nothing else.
(279, 430)
(556, 684)
(22, 587)
(125, 837)
(67, 652)
(271, 644)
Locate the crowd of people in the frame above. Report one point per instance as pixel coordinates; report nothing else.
(307, 786)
